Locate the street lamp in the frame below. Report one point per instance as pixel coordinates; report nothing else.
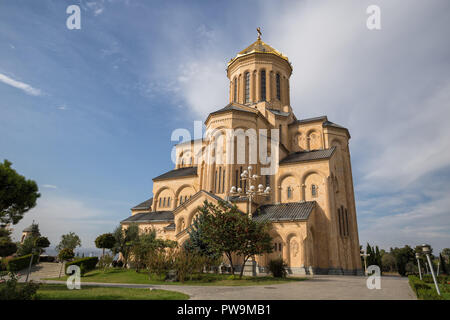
(418, 264)
(251, 192)
(365, 255)
(426, 250)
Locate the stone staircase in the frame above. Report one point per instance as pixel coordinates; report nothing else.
(41, 271)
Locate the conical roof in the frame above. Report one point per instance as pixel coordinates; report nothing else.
(259, 46)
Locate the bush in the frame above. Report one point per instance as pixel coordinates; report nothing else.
(85, 264)
(20, 263)
(277, 268)
(11, 290)
(423, 290)
(187, 263)
(105, 261)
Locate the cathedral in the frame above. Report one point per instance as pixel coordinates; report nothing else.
(307, 195)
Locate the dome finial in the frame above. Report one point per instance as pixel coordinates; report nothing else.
(259, 33)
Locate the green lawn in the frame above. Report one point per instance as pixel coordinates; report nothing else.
(208, 279)
(60, 292)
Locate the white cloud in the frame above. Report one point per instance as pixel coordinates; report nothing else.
(20, 85)
(60, 215)
(49, 186)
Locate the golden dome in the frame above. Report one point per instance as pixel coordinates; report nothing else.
(259, 47)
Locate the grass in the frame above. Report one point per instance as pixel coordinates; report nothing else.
(206, 279)
(425, 289)
(60, 292)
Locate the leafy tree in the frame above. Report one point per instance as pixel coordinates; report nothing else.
(41, 243)
(389, 262)
(229, 231)
(105, 241)
(446, 254)
(197, 240)
(442, 264)
(7, 246)
(26, 247)
(124, 240)
(17, 194)
(69, 241)
(402, 257)
(65, 254)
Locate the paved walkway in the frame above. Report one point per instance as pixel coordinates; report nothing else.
(316, 287)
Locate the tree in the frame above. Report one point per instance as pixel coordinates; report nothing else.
(446, 254)
(7, 246)
(69, 241)
(65, 254)
(402, 257)
(124, 238)
(389, 262)
(229, 231)
(197, 240)
(41, 243)
(17, 194)
(105, 241)
(442, 263)
(26, 247)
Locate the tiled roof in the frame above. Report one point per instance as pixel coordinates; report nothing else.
(170, 226)
(294, 211)
(154, 216)
(233, 106)
(279, 113)
(144, 205)
(178, 173)
(308, 155)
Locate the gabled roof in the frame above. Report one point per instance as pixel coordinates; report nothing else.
(314, 119)
(144, 205)
(294, 211)
(279, 112)
(236, 107)
(154, 216)
(178, 173)
(308, 155)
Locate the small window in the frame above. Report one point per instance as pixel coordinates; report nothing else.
(289, 192)
(164, 201)
(247, 87)
(235, 90)
(280, 247)
(263, 85)
(168, 202)
(278, 86)
(314, 190)
(160, 199)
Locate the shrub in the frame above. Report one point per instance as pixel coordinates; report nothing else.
(423, 290)
(277, 268)
(20, 263)
(11, 290)
(85, 264)
(161, 261)
(105, 261)
(186, 263)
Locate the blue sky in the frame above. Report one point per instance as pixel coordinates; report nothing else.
(88, 113)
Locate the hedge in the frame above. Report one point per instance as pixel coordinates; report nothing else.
(85, 264)
(423, 290)
(20, 263)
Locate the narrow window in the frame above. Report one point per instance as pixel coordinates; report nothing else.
(223, 180)
(280, 247)
(263, 85)
(168, 202)
(235, 89)
(346, 222)
(314, 190)
(289, 192)
(220, 177)
(164, 202)
(279, 134)
(185, 198)
(215, 183)
(181, 200)
(339, 219)
(247, 87)
(240, 180)
(278, 87)
(267, 181)
(159, 205)
(236, 181)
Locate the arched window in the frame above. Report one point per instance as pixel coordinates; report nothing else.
(247, 87)
(263, 85)
(235, 90)
(314, 190)
(278, 86)
(289, 192)
(164, 201)
(160, 199)
(168, 202)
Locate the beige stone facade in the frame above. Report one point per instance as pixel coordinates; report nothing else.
(311, 204)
